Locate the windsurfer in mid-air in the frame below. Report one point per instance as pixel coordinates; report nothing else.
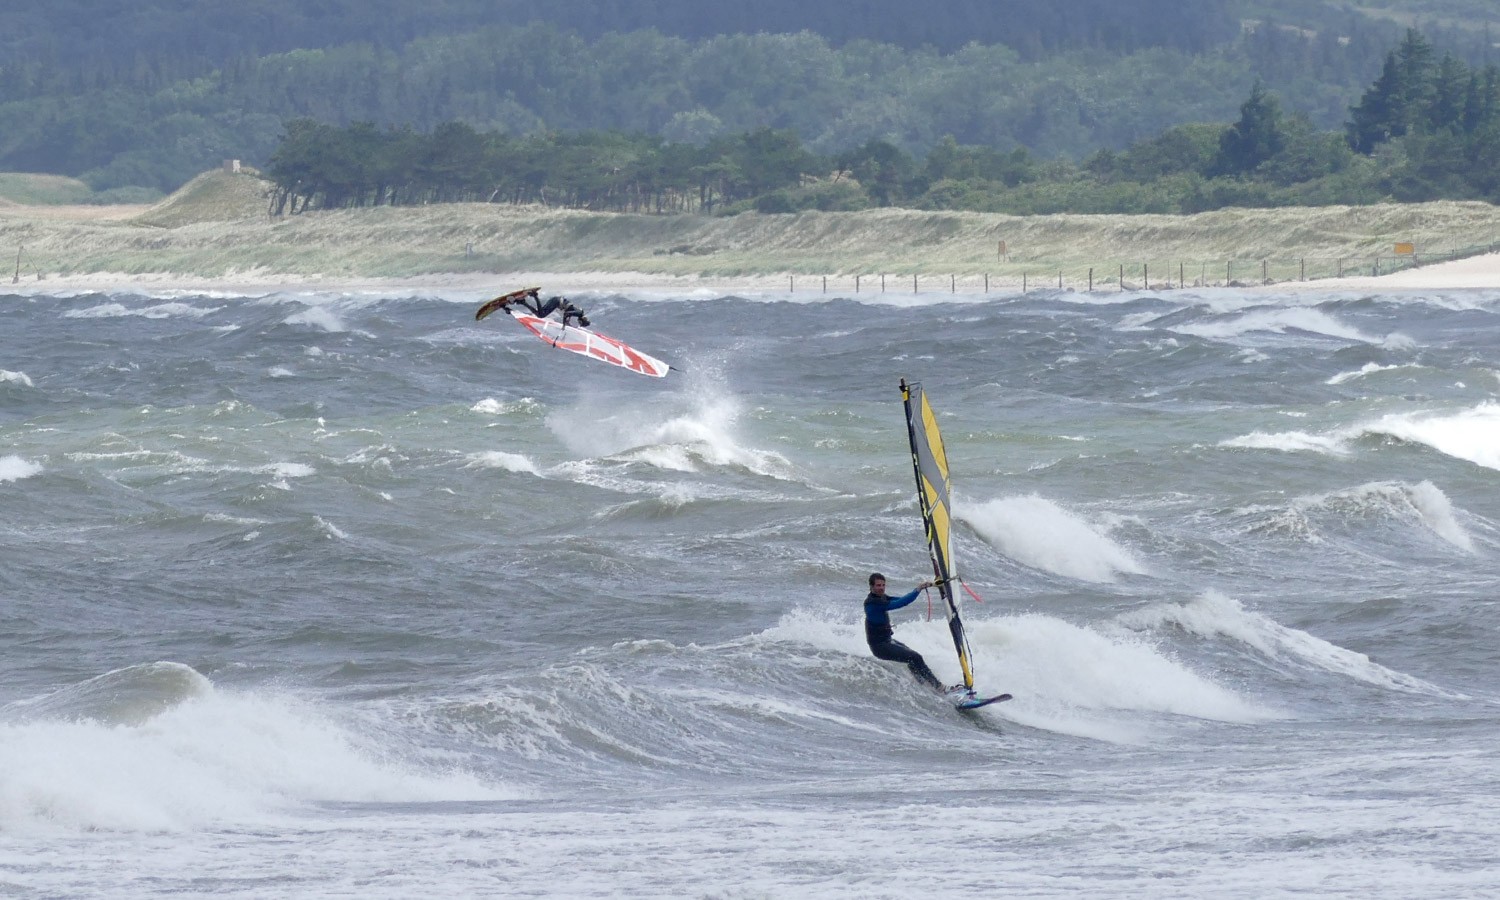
(881, 636)
(544, 308)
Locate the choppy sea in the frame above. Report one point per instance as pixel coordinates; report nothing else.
(344, 594)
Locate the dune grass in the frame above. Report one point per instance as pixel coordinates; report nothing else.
(27, 189)
(219, 225)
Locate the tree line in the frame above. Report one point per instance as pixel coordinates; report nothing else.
(158, 116)
(1427, 128)
(78, 34)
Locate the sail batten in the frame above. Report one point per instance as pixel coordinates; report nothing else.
(930, 464)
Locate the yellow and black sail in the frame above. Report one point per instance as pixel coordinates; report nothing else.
(930, 462)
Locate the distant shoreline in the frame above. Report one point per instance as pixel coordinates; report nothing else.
(216, 234)
(1474, 273)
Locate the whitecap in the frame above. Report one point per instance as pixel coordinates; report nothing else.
(1041, 534)
(499, 459)
(1290, 441)
(1278, 321)
(15, 468)
(1362, 371)
(1471, 434)
(207, 758)
(1216, 615)
(117, 310)
(317, 317)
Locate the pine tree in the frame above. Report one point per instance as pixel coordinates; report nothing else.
(1401, 100)
(1255, 138)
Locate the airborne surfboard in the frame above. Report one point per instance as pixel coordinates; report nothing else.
(930, 463)
(576, 338)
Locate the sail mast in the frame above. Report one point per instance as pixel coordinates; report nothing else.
(930, 464)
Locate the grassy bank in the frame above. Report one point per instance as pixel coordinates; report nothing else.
(218, 225)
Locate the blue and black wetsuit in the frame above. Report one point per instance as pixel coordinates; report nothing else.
(883, 644)
(545, 308)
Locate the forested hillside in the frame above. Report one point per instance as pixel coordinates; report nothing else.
(1425, 129)
(211, 30)
(139, 97)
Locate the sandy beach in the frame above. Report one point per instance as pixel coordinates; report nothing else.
(1474, 273)
(214, 234)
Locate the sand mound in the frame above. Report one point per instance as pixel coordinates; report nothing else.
(215, 196)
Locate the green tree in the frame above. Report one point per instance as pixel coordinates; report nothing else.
(881, 168)
(1400, 100)
(1255, 138)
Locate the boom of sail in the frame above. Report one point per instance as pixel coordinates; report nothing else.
(930, 462)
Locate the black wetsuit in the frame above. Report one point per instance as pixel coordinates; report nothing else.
(883, 644)
(544, 308)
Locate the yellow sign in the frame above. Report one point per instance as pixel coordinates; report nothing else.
(1405, 249)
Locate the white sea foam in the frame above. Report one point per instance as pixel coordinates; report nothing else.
(1471, 434)
(1423, 503)
(1215, 615)
(15, 468)
(9, 377)
(1039, 533)
(159, 311)
(1278, 321)
(499, 459)
(330, 529)
(208, 759)
(492, 407)
(675, 441)
(1290, 441)
(1066, 678)
(1063, 671)
(281, 471)
(1362, 371)
(1436, 511)
(317, 317)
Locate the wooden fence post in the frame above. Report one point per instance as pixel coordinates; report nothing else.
(1091, 279)
(856, 284)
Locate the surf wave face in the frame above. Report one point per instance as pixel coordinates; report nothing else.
(319, 593)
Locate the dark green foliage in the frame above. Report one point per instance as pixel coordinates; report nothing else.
(881, 168)
(669, 105)
(1254, 139)
(205, 30)
(1185, 148)
(172, 86)
(1448, 118)
(324, 166)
